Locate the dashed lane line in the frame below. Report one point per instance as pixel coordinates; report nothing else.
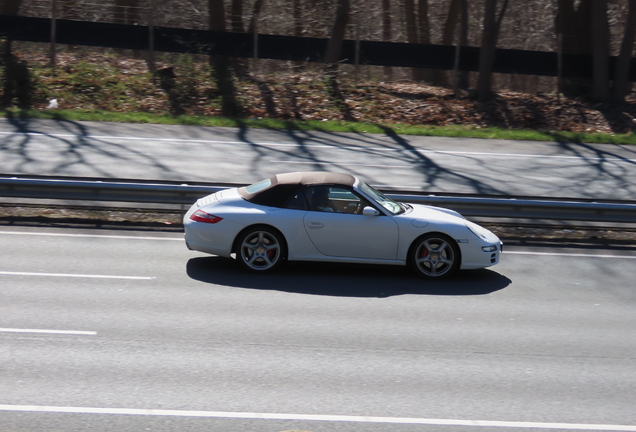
(45, 331)
(118, 237)
(318, 417)
(575, 255)
(71, 275)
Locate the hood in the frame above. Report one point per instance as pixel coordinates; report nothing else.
(434, 214)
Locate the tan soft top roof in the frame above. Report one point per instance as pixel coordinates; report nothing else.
(314, 177)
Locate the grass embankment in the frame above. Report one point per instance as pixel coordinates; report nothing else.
(98, 87)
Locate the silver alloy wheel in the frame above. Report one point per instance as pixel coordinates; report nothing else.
(435, 256)
(260, 250)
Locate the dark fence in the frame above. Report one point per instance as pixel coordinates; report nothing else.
(292, 48)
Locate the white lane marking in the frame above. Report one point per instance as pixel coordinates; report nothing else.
(344, 164)
(69, 275)
(90, 236)
(64, 332)
(317, 417)
(328, 146)
(132, 138)
(570, 255)
(180, 240)
(524, 156)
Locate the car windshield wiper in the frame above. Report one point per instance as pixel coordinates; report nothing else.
(405, 206)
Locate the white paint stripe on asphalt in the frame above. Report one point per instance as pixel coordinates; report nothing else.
(317, 417)
(343, 164)
(132, 138)
(90, 236)
(331, 146)
(64, 332)
(69, 275)
(570, 255)
(180, 240)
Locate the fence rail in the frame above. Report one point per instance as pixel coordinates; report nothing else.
(186, 194)
(290, 48)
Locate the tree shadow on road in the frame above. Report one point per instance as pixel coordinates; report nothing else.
(78, 150)
(343, 280)
(389, 149)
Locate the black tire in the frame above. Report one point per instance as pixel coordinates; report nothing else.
(260, 249)
(435, 256)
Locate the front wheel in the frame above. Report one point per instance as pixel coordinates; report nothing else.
(260, 249)
(434, 256)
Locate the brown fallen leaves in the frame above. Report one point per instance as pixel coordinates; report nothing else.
(303, 96)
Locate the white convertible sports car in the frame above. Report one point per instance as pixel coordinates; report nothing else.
(321, 216)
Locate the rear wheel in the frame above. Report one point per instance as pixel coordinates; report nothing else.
(434, 256)
(260, 249)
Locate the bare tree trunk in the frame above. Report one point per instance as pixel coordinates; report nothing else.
(237, 26)
(10, 7)
(418, 31)
(16, 77)
(487, 53)
(600, 45)
(448, 38)
(256, 12)
(454, 9)
(424, 30)
(411, 22)
(217, 15)
(332, 56)
(463, 41)
(237, 16)
(424, 27)
(574, 24)
(488, 46)
(460, 79)
(386, 33)
(621, 76)
(17, 80)
(297, 16)
(297, 10)
(222, 65)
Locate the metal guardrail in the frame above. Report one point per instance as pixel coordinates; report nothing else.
(104, 190)
(186, 194)
(515, 208)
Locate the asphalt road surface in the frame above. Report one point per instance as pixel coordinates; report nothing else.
(438, 165)
(128, 331)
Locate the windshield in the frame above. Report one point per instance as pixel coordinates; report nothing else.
(386, 202)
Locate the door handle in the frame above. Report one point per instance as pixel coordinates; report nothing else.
(314, 225)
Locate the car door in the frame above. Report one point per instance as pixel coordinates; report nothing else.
(339, 229)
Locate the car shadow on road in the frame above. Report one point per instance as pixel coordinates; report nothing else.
(343, 280)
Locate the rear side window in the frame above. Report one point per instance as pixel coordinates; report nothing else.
(298, 201)
(257, 187)
(275, 196)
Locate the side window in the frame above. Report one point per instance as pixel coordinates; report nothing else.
(319, 198)
(334, 199)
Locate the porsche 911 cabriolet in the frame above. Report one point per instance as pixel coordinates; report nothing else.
(322, 216)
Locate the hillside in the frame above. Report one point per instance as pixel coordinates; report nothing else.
(109, 82)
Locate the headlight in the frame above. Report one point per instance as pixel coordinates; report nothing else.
(477, 230)
(492, 248)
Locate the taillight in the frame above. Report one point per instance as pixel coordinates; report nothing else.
(201, 216)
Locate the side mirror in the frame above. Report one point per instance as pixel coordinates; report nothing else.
(370, 211)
